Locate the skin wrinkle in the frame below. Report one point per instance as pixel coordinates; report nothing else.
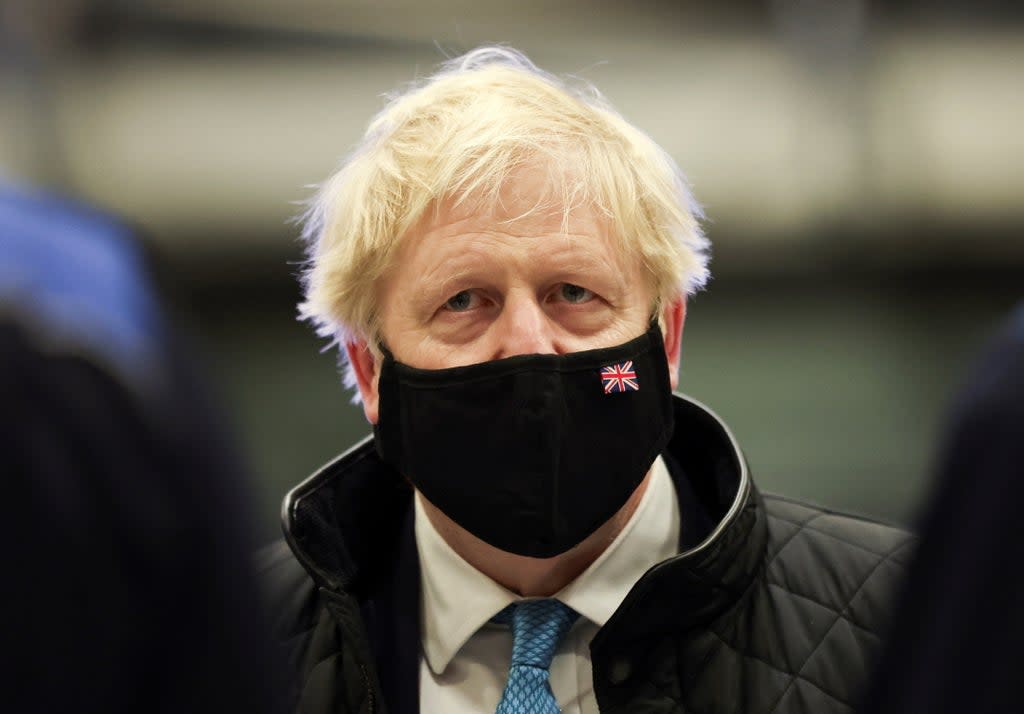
(478, 245)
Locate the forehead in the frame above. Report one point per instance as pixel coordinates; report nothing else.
(532, 202)
(516, 241)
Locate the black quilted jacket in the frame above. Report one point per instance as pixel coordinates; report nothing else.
(778, 609)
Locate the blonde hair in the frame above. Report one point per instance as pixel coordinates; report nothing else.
(459, 135)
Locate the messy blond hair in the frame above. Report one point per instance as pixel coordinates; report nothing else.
(459, 135)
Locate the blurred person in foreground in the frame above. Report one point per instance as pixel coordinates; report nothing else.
(129, 583)
(538, 523)
(956, 640)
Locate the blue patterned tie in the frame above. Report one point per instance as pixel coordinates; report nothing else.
(537, 628)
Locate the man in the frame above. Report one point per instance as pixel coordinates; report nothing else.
(538, 524)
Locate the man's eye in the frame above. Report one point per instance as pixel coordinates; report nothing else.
(459, 302)
(574, 293)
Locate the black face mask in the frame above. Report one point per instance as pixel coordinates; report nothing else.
(532, 453)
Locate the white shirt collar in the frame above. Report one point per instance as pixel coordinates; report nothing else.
(457, 599)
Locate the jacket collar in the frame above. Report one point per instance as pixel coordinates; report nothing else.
(343, 523)
(703, 581)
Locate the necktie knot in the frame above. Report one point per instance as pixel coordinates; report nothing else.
(537, 628)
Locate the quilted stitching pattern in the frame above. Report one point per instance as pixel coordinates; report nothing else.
(805, 636)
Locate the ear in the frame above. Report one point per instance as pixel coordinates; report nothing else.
(367, 374)
(673, 317)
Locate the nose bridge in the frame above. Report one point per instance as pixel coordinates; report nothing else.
(523, 328)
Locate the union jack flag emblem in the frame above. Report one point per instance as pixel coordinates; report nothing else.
(619, 378)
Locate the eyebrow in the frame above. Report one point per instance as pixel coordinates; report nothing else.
(602, 276)
(434, 291)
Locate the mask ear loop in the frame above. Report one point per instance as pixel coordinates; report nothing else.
(379, 348)
(656, 317)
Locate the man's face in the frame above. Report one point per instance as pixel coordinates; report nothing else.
(470, 286)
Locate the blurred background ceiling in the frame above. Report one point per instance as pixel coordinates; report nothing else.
(859, 163)
(204, 121)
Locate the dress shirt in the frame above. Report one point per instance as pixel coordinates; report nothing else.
(466, 658)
